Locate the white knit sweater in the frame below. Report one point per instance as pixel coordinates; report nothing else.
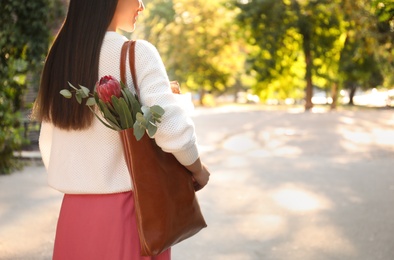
(91, 161)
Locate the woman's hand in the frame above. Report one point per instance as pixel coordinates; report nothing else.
(201, 178)
(175, 87)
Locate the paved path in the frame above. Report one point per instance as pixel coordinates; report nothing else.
(285, 185)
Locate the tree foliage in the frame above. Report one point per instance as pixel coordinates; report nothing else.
(293, 42)
(197, 41)
(360, 64)
(299, 44)
(24, 37)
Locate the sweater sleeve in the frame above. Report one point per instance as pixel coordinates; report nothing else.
(176, 132)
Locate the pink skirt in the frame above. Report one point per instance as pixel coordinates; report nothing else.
(99, 227)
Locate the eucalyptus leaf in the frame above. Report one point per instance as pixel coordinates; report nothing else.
(141, 119)
(139, 130)
(84, 91)
(152, 130)
(157, 110)
(145, 109)
(148, 116)
(72, 86)
(91, 101)
(78, 97)
(66, 93)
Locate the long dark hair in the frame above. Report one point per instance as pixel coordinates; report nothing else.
(73, 57)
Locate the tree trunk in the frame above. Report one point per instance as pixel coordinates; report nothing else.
(308, 74)
(334, 96)
(202, 94)
(237, 88)
(304, 28)
(352, 88)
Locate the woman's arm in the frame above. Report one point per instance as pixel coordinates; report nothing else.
(175, 133)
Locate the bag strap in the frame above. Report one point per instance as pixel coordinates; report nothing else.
(130, 45)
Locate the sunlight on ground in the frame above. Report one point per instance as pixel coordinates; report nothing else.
(233, 256)
(262, 203)
(288, 151)
(246, 144)
(236, 162)
(358, 139)
(383, 137)
(262, 227)
(300, 200)
(241, 143)
(316, 241)
(323, 237)
(260, 213)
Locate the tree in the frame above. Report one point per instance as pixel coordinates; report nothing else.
(24, 38)
(197, 42)
(292, 39)
(366, 54)
(384, 13)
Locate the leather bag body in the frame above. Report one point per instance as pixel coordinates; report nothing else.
(167, 209)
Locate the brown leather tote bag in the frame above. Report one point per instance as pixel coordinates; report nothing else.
(167, 209)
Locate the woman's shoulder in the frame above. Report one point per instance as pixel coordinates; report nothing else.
(144, 44)
(145, 48)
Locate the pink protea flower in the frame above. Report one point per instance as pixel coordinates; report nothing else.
(107, 87)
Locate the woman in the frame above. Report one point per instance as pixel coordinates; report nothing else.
(84, 159)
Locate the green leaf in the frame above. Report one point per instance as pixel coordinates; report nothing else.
(66, 93)
(152, 129)
(127, 113)
(96, 97)
(101, 104)
(141, 119)
(107, 114)
(109, 125)
(158, 110)
(84, 91)
(139, 130)
(72, 86)
(119, 110)
(145, 109)
(126, 98)
(114, 124)
(148, 116)
(78, 97)
(135, 105)
(91, 101)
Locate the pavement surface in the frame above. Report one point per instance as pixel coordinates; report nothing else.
(285, 185)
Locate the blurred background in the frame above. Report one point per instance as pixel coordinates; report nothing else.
(293, 111)
(267, 52)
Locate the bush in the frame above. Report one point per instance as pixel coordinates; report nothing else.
(25, 29)
(11, 135)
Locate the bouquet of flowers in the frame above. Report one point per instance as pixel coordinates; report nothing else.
(118, 106)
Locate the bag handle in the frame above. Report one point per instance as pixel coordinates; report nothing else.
(130, 45)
